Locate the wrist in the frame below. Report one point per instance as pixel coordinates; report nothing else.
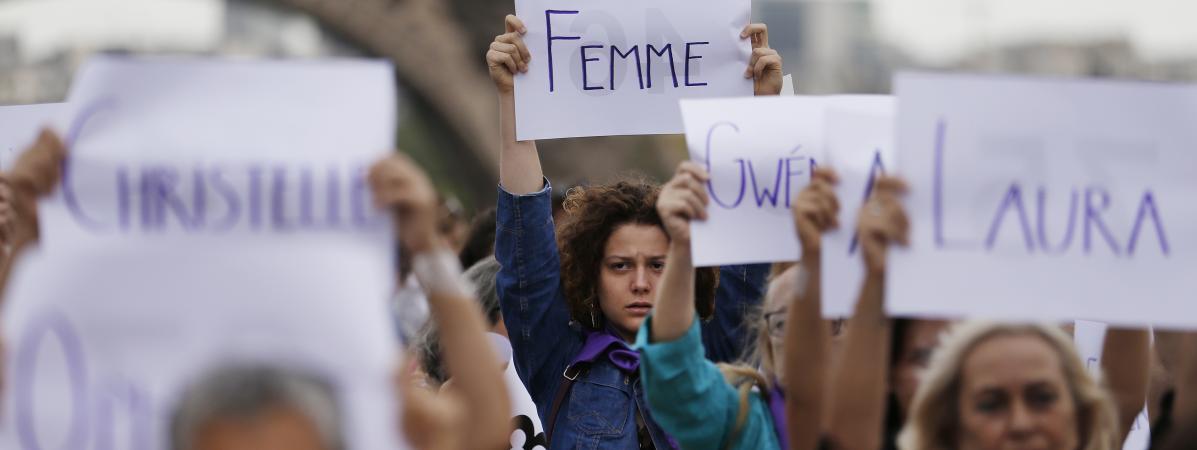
(439, 272)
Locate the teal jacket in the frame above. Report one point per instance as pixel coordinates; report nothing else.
(692, 401)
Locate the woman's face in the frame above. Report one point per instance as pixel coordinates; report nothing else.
(919, 341)
(780, 293)
(1014, 396)
(633, 260)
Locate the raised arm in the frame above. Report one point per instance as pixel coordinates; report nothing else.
(687, 394)
(859, 389)
(399, 184)
(519, 164)
(806, 335)
(683, 199)
(1126, 360)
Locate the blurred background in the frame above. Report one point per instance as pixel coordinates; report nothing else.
(448, 109)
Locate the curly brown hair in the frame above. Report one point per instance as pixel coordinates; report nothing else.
(592, 214)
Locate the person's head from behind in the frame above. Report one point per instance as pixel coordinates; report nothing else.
(256, 407)
(613, 251)
(1000, 386)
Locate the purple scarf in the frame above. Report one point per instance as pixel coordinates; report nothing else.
(606, 342)
(777, 407)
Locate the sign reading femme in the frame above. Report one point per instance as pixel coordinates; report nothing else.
(619, 67)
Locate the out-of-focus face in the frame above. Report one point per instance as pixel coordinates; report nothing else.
(1014, 396)
(780, 293)
(279, 428)
(919, 341)
(633, 260)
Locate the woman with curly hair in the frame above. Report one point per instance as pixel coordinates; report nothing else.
(572, 302)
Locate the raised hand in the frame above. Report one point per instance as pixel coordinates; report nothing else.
(508, 55)
(882, 221)
(399, 184)
(765, 65)
(682, 199)
(816, 210)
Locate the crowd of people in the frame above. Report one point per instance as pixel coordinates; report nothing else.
(601, 322)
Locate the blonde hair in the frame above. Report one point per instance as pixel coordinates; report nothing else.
(933, 423)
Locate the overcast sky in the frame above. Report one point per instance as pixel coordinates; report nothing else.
(931, 30)
(939, 30)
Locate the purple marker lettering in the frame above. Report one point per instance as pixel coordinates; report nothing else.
(25, 376)
(231, 198)
(763, 194)
(1013, 198)
(199, 200)
(1093, 218)
(68, 191)
(255, 199)
(359, 192)
(305, 198)
(877, 169)
(635, 50)
(333, 213)
(937, 185)
(278, 200)
(585, 85)
(710, 169)
(1042, 227)
(688, 58)
(123, 194)
(791, 172)
(548, 23)
(648, 55)
(1147, 206)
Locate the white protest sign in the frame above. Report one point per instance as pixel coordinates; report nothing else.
(19, 126)
(528, 433)
(212, 212)
(859, 148)
(759, 152)
(1047, 200)
(787, 85)
(1090, 338)
(619, 67)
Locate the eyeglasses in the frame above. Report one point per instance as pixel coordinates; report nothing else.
(775, 322)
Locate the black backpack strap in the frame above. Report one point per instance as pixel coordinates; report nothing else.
(567, 383)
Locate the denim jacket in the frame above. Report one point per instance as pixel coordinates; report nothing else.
(601, 409)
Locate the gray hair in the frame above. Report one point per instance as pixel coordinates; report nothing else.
(481, 278)
(243, 391)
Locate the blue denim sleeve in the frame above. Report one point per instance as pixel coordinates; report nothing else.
(691, 400)
(741, 289)
(530, 296)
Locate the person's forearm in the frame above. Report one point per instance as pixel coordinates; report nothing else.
(519, 164)
(1126, 359)
(858, 402)
(1184, 410)
(806, 356)
(473, 365)
(673, 312)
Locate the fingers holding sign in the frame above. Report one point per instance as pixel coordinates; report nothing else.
(35, 174)
(398, 183)
(883, 221)
(816, 210)
(508, 55)
(764, 67)
(682, 199)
